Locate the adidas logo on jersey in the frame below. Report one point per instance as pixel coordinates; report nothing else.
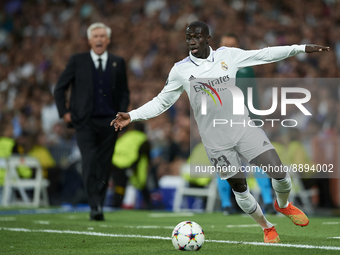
(265, 143)
(192, 78)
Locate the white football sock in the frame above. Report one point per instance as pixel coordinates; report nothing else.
(282, 189)
(249, 205)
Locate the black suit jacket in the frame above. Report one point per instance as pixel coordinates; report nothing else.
(78, 74)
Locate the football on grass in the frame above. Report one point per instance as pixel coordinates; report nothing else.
(188, 236)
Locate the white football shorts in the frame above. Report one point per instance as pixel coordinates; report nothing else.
(227, 161)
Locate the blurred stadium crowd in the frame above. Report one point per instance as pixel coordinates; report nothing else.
(37, 38)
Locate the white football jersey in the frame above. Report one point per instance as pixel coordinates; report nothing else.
(221, 65)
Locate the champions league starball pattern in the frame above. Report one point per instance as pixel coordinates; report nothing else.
(188, 236)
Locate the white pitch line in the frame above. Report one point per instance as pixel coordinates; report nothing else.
(335, 248)
(330, 223)
(82, 233)
(152, 227)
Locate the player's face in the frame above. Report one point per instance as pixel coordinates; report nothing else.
(197, 41)
(99, 40)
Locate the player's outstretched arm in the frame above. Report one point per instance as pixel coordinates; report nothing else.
(310, 48)
(122, 120)
(162, 102)
(243, 58)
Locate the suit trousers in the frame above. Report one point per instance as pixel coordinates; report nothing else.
(96, 141)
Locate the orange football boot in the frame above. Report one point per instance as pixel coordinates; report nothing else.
(271, 236)
(295, 214)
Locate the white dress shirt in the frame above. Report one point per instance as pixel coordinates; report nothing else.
(95, 58)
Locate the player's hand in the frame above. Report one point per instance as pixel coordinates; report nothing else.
(310, 48)
(122, 120)
(67, 117)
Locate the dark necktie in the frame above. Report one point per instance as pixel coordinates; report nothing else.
(100, 67)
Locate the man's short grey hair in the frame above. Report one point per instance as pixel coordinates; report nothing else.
(98, 25)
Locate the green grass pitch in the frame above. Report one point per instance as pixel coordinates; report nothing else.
(148, 232)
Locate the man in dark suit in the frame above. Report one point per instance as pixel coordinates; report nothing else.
(98, 91)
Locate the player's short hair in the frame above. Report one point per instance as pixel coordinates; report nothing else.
(201, 24)
(98, 25)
